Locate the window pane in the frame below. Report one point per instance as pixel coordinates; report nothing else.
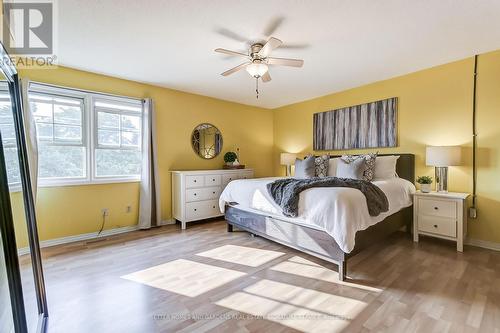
(61, 161)
(44, 132)
(68, 133)
(108, 120)
(71, 115)
(119, 106)
(108, 138)
(12, 165)
(8, 134)
(111, 162)
(131, 139)
(42, 112)
(131, 122)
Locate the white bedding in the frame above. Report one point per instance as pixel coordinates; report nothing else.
(341, 212)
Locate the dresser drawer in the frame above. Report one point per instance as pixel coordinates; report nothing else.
(194, 181)
(200, 194)
(440, 208)
(213, 180)
(226, 179)
(437, 225)
(246, 174)
(202, 209)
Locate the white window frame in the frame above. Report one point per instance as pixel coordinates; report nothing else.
(13, 187)
(89, 134)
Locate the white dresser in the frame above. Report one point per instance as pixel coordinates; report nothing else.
(195, 194)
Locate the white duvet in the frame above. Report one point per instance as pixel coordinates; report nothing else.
(341, 212)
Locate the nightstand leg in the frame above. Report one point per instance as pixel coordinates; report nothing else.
(460, 245)
(183, 225)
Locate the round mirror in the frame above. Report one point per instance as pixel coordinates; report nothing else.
(206, 141)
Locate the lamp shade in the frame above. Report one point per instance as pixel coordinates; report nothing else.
(443, 156)
(287, 158)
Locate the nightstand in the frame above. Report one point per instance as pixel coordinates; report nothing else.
(442, 215)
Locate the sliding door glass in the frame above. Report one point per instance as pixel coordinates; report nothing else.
(10, 150)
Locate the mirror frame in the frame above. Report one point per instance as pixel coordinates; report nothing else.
(6, 218)
(192, 145)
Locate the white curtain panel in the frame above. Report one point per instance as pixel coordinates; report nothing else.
(31, 138)
(149, 207)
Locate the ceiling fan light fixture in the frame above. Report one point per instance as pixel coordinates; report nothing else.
(257, 69)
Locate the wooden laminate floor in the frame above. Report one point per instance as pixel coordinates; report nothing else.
(204, 279)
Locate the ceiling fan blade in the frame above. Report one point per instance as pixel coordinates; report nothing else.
(285, 62)
(231, 34)
(273, 25)
(235, 69)
(266, 77)
(271, 44)
(231, 52)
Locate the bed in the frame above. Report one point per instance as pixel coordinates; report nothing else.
(300, 233)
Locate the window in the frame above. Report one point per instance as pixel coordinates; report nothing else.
(118, 137)
(86, 137)
(8, 133)
(60, 129)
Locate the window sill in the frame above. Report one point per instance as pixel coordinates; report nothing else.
(86, 183)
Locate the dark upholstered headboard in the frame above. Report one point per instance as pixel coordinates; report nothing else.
(405, 166)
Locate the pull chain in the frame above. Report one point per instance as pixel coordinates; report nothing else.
(257, 87)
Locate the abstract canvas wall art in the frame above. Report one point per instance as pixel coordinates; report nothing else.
(370, 125)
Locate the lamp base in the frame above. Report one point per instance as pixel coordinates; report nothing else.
(288, 170)
(441, 179)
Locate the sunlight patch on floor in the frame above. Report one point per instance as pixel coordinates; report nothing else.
(302, 267)
(185, 277)
(302, 309)
(242, 255)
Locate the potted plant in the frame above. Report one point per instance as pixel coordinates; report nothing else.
(230, 157)
(425, 183)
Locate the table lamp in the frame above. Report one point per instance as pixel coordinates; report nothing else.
(441, 158)
(288, 159)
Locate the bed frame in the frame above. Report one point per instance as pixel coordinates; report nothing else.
(316, 242)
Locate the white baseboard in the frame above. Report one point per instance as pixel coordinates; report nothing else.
(484, 244)
(90, 235)
(81, 237)
(168, 222)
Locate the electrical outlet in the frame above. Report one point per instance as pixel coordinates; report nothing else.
(105, 212)
(129, 209)
(473, 212)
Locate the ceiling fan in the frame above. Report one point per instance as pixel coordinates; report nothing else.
(259, 60)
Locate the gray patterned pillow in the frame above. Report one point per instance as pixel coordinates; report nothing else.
(369, 171)
(321, 165)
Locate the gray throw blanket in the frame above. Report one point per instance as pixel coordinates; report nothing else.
(285, 192)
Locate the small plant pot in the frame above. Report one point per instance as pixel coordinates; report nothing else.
(425, 188)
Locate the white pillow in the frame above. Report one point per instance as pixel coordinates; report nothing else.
(385, 167)
(332, 166)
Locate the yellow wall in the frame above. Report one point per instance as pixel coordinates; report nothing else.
(434, 109)
(73, 210)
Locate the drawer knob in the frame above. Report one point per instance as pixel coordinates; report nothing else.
(195, 209)
(436, 208)
(213, 207)
(213, 192)
(195, 194)
(435, 225)
(195, 180)
(213, 179)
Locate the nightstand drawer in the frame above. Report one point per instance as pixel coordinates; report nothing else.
(437, 225)
(194, 181)
(435, 207)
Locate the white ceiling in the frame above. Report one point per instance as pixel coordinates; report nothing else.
(344, 43)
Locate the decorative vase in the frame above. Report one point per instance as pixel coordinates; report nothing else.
(425, 188)
(236, 163)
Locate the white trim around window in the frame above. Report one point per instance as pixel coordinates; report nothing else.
(120, 106)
